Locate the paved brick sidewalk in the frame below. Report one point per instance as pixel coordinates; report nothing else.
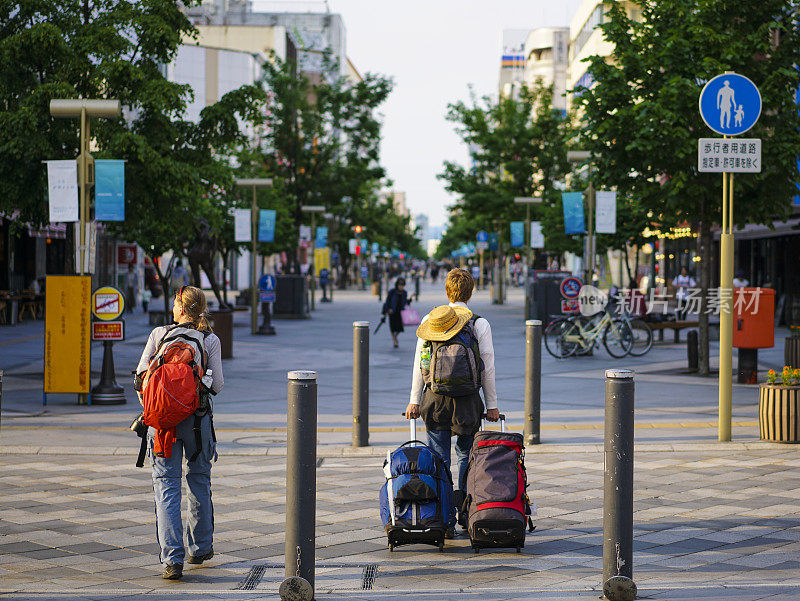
(716, 525)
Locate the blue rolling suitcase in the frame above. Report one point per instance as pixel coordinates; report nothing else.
(416, 501)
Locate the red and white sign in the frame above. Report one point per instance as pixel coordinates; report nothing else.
(126, 254)
(108, 330)
(570, 305)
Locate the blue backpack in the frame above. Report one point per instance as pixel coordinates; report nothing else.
(416, 502)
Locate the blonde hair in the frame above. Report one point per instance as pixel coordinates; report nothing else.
(459, 285)
(193, 302)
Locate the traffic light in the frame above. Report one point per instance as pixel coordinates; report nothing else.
(358, 229)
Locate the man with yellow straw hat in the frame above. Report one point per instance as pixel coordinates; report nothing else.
(454, 360)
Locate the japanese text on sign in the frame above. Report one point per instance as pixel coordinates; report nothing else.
(719, 155)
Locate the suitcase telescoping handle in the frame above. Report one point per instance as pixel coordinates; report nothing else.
(502, 422)
(412, 428)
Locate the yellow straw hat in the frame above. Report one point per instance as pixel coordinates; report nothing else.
(443, 323)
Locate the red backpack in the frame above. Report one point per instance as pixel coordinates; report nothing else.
(171, 385)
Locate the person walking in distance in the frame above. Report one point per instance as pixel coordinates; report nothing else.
(445, 386)
(396, 301)
(684, 282)
(131, 287)
(191, 340)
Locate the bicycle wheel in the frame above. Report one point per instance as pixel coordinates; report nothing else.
(561, 338)
(642, 337)
(618, 338)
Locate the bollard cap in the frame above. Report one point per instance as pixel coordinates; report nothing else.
(619, 374)
(360, 324)
(302, 374)
(533, 322)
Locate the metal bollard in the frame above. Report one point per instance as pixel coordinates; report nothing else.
(360, 383)
(266, 325)
(618, 582)
(301, 485)
(416, 288)
(533, 381)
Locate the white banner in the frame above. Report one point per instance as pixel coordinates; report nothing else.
(242, 227)
(537, 235)
(305, 233)
(62, 187)
(606, 213)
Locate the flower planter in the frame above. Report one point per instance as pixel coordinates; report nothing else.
(791, 351)
(779, 413)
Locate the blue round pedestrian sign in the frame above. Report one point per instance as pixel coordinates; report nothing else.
(730, 104)
(266, 282)
(570, 287)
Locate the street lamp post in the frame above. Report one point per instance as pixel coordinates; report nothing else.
(313, 209)
(527, 201)
(254, 183)
(84, 109)
(580, 156)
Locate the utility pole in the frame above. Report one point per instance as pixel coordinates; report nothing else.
(527, 201)
(254, 218)
(84, 109)
(581, 156)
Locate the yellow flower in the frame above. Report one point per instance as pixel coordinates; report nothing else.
(771, 372)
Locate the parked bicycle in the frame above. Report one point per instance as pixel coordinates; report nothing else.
(567, 336)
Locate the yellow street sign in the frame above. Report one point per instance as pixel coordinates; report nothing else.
(107, 303)
(67, 330)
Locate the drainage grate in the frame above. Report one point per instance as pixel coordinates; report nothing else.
(368, 578)
(252, 579)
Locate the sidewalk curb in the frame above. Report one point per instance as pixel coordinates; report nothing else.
(380, 451)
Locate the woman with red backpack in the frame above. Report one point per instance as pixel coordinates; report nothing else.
(180, 368)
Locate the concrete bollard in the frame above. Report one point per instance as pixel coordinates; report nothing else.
(618, 582)
(533, 381)
(360, 383)
(301, 486)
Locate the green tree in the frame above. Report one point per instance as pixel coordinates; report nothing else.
(518, 148)
(642, 122)
(321, 145)
(113, 49)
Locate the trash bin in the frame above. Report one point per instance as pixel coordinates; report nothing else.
(753, 328)
(222, 323)
(291, 297)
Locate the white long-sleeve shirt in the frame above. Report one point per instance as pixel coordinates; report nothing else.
(213, 350)
(483, 331)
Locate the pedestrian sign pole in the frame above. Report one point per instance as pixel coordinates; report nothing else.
(730, 104)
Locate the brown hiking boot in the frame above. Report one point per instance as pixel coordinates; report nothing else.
(173, 571)
(200, 558)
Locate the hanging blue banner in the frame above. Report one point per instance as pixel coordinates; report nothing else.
(322, 237)
(494, 241)
(364, 245)
(517, 234)
(266, 225)
(375, 248)
(573, 213)
(109, 190)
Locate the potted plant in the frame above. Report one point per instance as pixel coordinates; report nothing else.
(779, 406)
(791, 347)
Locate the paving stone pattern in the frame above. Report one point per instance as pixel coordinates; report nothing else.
(708, 525)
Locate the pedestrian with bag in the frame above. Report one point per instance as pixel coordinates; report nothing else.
(453, 361)
(180, 369)
(396, 301)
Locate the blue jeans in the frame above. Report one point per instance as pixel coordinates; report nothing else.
(439, 441)
(167, 483)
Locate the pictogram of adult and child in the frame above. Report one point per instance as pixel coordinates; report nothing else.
(726, 103)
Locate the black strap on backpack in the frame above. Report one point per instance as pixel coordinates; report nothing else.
(142, 452)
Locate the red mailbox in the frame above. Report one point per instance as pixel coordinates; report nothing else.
(753, 318)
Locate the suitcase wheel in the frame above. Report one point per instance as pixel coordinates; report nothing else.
(518, 550)
(441, 547)
(476, 549)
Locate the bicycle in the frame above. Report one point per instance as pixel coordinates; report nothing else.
(567, 335)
